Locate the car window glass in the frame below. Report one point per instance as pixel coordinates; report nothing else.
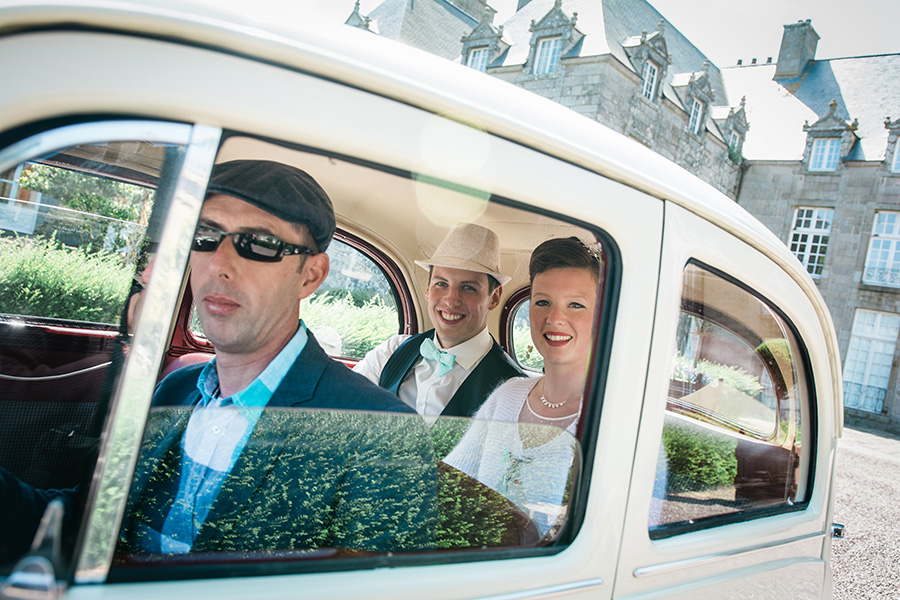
(475, 485)
(736, 410)
(78, 234)
(345, 483)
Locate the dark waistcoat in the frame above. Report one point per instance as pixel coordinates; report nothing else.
(495, 368)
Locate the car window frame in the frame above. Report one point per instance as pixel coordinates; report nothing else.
(667, 532)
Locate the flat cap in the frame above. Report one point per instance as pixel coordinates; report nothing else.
(281, 190)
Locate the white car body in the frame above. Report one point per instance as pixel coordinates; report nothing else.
(354, 95)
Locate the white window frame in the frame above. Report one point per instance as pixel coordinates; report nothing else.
(696, 116)
(478, 58)
(546, 57)
(648, 80)
(883, 256)
(809, 237)
(895, 167)
(867, 367)
(825, 154)
(734, 140)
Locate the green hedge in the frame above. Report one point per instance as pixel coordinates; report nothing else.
(698, 459)
(43, 278)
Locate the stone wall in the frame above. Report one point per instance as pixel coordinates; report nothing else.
(604, 89)
(856, 190)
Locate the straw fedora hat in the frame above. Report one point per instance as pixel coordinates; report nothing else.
(469, 247)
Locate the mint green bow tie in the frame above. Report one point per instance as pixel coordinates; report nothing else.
(443, 358)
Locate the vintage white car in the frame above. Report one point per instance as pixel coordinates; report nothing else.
(703, 461)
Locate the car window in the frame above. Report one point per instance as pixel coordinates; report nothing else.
(492, 482)
(76, 235)
(350, 483)
(354, 310)
(733, 442)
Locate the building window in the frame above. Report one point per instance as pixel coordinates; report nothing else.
(824, 156)
(478, 58)
(648, 80)
(895, 168)
(696, 114)
(868, 366)
(547, 55)
(809, 237)
(734, 140)
(883, 258)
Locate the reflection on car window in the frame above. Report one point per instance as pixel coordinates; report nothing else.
(358, 482)
(733, 435)
(353, 311)
(75, 239)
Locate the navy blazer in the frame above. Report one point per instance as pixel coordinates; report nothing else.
(307, 478)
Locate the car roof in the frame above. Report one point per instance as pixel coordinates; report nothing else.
(387, 68)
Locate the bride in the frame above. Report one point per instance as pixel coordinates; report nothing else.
(531, 463)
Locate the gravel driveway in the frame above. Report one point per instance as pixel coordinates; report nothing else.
(867, 501)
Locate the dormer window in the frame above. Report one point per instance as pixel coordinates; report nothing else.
(825, 153)
(696, 116)
(547, 55)
(552, 37)
(648, 80)
(734, 140)
(478, 58)
(895, 168)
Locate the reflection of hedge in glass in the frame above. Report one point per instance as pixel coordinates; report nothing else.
(306, 479)
(698, 459)
(44, 278)
(361, 325)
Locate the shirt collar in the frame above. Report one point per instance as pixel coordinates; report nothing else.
(260, 390)
(472, 350)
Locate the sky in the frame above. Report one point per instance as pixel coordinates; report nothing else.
(724, 30)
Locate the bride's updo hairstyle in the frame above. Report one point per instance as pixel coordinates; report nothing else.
(565, 253)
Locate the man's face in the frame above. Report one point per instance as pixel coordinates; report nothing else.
(458, 304)
(247, 306)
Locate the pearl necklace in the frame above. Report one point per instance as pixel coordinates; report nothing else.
(548, 404)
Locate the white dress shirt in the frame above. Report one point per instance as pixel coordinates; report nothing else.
(423, 389)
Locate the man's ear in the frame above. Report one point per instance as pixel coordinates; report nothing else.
(313, 273)
(495, 297)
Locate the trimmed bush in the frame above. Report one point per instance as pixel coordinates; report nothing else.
(698, 459)
(44, 278)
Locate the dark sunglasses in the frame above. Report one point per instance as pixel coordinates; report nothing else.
(260, 247)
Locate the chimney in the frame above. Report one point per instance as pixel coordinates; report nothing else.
(798, 47)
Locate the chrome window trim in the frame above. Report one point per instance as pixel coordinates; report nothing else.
(125, 426)
(93, 133)
(696, 561)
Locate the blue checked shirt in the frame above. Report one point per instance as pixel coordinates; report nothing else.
(216, 434)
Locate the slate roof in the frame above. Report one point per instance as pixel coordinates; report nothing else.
(866, 88)
(432, 25)
(607, 24)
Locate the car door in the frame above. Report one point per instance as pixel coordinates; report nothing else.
(731, 490)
